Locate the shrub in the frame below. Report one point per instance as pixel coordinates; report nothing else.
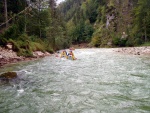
(23, 37)
(50, 50)
(15, 45)
(96, 41)
(23, 52)
(116, 41)
(22, 47)
(138, 41)
(12, 32)
(3, 41)
(130, 43)
(122, 42)
(35, 46)
(146, 44)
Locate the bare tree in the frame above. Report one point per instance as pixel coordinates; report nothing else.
(5, 12)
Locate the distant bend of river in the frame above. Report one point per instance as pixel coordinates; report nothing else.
(99, 81)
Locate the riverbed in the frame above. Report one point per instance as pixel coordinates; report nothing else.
(99, 81)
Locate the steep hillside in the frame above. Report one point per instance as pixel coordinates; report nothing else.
(110, 22)
(115, 20)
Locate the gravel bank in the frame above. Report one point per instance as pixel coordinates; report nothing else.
(8, 56)
(134, 50)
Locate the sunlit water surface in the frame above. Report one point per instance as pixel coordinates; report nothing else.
(99, 81)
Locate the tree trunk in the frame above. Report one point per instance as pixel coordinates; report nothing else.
(5, 11)
(145, 33)
(25, 28)
(40, 32)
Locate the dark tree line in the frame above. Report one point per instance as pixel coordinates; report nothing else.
(130, 17)
(45, 26)
(36, 22)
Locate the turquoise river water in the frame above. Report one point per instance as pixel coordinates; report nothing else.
(99, 81)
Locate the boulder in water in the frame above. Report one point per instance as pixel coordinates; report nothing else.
(8, 76)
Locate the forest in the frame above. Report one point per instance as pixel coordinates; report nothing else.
(32, 25)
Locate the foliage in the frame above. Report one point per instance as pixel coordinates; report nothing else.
(80, 18)
(116, 41)
(45, 26)
(146, 44)
(38, 22)
(82, 32)
(3, 41)
(35, 28)
(24, 46)
(141, 25)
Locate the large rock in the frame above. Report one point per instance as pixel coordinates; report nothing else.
(1, 56)
(109, 44)
(38, 54)
(47, 54)
(8, 76)
(9, 46)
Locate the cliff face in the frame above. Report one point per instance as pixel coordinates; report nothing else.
(119, 14)
(117, 22)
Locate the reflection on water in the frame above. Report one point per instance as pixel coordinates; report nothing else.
(99, 81)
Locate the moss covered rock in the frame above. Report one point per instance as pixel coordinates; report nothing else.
(8, 76)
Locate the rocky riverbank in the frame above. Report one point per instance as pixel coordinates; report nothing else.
(134, 50)
(8, 56)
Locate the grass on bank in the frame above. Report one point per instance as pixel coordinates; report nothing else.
(25, 45)
(146, 44)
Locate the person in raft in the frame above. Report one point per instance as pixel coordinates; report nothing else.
(71, 54)
(64, 54)
(72, 48)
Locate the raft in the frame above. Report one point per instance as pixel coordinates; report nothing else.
(64, 54)
(70, 57)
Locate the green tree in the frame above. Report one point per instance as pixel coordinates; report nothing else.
(88, 32)
(91, 10)
(142, 20)
(5, 10)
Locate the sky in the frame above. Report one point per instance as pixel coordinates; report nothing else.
(58, 1)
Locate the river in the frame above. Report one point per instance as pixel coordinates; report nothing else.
(99, 81)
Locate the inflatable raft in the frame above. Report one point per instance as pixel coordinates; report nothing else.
(67, 56)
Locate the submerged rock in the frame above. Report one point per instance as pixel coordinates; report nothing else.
(8, 76)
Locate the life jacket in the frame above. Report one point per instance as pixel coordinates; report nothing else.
(64, 54)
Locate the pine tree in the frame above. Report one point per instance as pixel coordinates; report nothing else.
(5, 10)
(142, 19)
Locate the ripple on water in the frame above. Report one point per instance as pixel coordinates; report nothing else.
(99, 81)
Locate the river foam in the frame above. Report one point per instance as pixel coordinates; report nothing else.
(100, 80)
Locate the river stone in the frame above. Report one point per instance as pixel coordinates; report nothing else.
(8, 76)
(1, 56)
(109, 43)
(9, 46)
